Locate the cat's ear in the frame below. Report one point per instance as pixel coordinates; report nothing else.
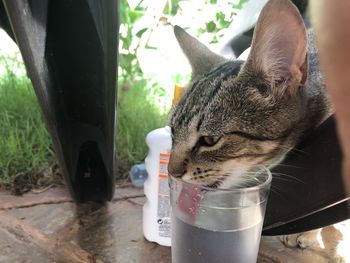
(279, 47)
(202, 60)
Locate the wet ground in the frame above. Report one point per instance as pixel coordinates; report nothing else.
(49, 227)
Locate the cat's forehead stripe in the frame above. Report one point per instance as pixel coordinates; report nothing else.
(202, 92)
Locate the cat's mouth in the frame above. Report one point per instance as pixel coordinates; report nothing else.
(214, 185)
(214, 182)
(234, 177)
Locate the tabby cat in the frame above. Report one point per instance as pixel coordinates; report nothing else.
(238, 114)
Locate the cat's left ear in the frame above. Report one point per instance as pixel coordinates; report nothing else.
(279, 47)
(201, 58)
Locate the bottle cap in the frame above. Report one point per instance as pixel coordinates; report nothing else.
(178, 90)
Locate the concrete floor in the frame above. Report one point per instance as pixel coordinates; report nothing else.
(49, 227)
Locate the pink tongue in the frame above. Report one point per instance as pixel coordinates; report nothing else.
(189, 199)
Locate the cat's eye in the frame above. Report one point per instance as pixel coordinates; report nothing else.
(208, 140)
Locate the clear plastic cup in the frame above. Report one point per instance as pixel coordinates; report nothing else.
(218, 225)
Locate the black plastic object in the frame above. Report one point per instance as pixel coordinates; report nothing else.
(70, 51)
(4, 21)
(307, 189)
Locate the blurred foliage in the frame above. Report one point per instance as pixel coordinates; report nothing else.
(127, 51)
(139, 18)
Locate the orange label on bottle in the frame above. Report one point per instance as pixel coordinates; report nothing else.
(163, 197)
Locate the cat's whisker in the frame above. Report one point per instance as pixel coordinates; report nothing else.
(289, 176)
(286, 165)
(284, 179)
(247, 181)
(298, 150)
(276, 190)
(292, 150)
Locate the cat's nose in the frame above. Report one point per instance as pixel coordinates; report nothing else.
(176, 175)
(177, 168)
(175, 171)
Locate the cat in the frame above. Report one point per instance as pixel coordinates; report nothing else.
(235, 114)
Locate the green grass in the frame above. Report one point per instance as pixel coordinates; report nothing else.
(136, 116)
(25, 148)
(26, 152)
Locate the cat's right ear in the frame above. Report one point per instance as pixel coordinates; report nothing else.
(279, 47)
(202, 59)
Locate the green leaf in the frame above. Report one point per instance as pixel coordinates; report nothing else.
(240, 4)
(172, 7)
(125, 60)
(135, 15)
(214, 40)
(220, 17)
(124, 6)
(140, 32)
(211, 26)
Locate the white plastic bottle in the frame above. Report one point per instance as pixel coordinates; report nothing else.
(156, 219)
(156, 210)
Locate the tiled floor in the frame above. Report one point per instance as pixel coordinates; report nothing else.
(49, 227)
